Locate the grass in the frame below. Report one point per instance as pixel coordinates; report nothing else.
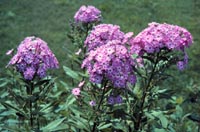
(48, 19)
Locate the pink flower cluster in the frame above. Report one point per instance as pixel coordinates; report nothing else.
(103, 33)
(112, 62)
(87, 14)
(162, 36)
(158, 36)
(33, 58)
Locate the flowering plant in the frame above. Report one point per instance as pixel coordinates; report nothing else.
(114, 78)
(115, 60)
(32, 60)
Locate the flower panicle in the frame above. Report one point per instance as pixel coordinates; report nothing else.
(87, 14)
(33, 58)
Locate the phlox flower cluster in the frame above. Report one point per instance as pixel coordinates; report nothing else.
(158, 36)
(112, 62)
(87, 14)
(33, 58)
(103, 33)
(161, 36)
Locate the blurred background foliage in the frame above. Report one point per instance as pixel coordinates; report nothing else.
(49, 20)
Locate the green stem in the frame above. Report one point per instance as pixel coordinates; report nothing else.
(98, 107)
(141, 111)
(38, 120)
(72, 67)
(31, 105)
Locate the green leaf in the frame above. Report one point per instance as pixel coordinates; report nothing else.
(121, 126)
(150, 116)
(53, 125)
(71, 73)
(161, 117)
(80, 122)
(76, 110)
(45, 81)
(9, 106)
(61, 127)
(67, 87)
(70, 100)
(47, 108)
(159, 130)
(163, 120)
(83, 74)
(3, 82)
(12, 129)
(104, 126)
(68, 103)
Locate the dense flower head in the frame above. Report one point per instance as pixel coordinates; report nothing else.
(112, 62)
(87, 14)
(103, 33)
(33, 58)
(158, 36)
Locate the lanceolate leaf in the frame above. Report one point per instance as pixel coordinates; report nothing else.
(53, 125)
(80, 122)
(12, 129)
(71, 73)
(104, 126)
(9, 106)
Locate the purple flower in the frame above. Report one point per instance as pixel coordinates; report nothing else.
(29, 73)
(111, 100)
(33, 58)
(92, 103)
(118, 99)
(132, 79)
(96, 78)
(76, 91)
(87, 14)
(41, 71)
(181, 65)
(28, 58)
(21, 66)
